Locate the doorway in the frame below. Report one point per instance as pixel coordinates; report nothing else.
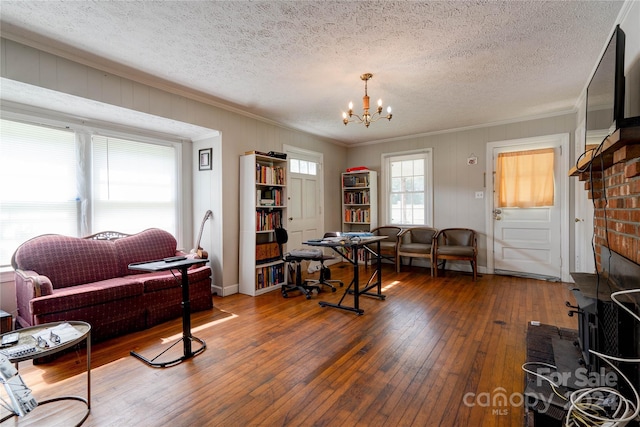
(529, 240)
(305, 193)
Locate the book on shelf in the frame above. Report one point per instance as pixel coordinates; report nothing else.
(270, 174)
(355, 181)
(269, 197)
(358, 197)
(269, 276)
(267, 220)
(357, 215)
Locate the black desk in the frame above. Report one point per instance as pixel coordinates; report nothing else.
(183, 266)
(375, 280)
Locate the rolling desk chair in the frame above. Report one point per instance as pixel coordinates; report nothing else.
(325, 273)
(293, 258)
(296, 257)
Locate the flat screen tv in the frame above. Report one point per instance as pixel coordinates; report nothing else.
(605, 93)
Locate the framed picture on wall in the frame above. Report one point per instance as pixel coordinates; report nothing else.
(204, 156)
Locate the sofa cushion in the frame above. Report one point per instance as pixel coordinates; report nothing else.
(68, 261)
(92, 294)
(149, 245)
(153, 282)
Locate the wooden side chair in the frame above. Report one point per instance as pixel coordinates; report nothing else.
(416, 242)
(458, 244)
(388, 246)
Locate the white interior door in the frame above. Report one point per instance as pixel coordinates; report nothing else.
(529, 240)
(304, 192)
(583, 221)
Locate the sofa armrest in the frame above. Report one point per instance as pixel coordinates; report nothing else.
(30, 284)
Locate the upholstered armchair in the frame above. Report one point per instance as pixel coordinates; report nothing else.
(416, 242)
(456, 244)
(388, 246)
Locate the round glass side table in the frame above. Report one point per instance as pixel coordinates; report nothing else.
(44, 348)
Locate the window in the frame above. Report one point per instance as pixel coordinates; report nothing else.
(525, 178)
(133, 185)
(303, 167)
(408, 188)
(65, 182)
(38, 191)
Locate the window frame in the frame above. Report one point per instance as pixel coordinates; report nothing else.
(386, 159)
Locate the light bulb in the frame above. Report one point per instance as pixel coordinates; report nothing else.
(379, 102)
(350, 105)
(389, 109)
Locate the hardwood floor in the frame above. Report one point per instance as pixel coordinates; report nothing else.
(434, 353)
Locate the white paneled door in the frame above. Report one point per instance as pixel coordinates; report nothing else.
(528, 240)
(304, 207)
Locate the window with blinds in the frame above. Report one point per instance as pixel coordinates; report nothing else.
(133, 185)
(59, 181)
(38, 191)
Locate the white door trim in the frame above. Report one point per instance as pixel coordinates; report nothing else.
(563, 183)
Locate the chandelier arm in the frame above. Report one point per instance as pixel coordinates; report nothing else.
(359, 119)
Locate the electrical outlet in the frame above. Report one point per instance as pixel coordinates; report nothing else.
(479, 194)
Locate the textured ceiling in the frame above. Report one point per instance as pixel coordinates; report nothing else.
(440, 65)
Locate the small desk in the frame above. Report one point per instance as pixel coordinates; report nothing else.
(26, 337)
(182, 265)
(354, 244)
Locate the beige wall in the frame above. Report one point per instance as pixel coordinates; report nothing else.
(238, 133)
(455, 182)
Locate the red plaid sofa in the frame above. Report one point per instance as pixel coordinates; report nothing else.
(60, 278)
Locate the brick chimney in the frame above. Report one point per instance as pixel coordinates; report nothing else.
(613, 183)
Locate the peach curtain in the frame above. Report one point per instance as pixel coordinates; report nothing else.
(525, 178)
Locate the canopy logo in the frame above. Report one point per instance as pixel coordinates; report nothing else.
(498, 400)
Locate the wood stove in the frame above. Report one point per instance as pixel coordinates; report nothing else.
(603, 325)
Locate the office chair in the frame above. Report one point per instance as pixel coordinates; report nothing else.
(293, 258)
(325, 273)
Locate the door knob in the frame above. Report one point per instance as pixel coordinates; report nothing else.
(578, 220)
(498, 218)
(290, 218)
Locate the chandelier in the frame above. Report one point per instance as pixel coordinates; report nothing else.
(367, 118)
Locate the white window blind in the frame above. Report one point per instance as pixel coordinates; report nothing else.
(38, 191)
(134, 185)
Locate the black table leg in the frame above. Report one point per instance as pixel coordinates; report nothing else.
(186, 331)
(377, 274)
(355, 283)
